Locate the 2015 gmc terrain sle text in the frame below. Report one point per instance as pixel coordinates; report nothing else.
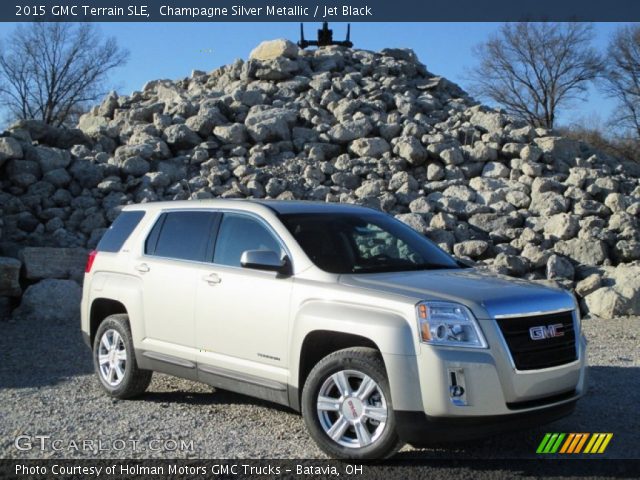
(341, 312)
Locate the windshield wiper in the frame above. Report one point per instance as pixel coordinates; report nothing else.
(404, 268)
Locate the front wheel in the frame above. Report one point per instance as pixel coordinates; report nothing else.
(346, 405)
(114, 359)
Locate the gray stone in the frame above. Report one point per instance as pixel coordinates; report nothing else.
(607, 302)
(136, 166)
(181, 137)
(369, 147)
(471, 248)
(9, 148)
(271, 49)
(561, 226)
(234, 133)
(586, 252)
(411, 150)
(588, 285)
(49, 262)
(415, 221)
(271, 124)
(51, 302)
(10, 277)
(559, 267)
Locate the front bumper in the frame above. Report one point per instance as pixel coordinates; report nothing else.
(422, 430)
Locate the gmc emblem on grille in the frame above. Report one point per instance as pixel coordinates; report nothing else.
(546, 331)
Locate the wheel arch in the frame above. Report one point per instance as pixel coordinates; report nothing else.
(322, 328)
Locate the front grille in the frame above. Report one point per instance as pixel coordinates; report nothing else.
(529, 354)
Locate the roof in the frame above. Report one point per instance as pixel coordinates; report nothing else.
(279, 206)
(301, 206)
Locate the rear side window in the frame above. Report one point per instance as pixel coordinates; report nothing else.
(183, 236)
(119, 231)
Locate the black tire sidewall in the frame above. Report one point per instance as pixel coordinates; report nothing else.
(388, 442)
(120, 325)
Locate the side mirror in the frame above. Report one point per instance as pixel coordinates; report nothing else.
(265, 260)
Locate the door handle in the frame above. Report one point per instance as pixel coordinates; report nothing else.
(212, 279)
(142, 268)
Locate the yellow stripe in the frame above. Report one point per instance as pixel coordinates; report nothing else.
(575, 442)
(591, 442)
(567, 442)
(598, 442)
(584, 439)
(605, 443)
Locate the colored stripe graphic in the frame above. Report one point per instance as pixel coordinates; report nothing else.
(574, 443)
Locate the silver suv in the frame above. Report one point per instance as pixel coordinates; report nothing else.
(341, 312)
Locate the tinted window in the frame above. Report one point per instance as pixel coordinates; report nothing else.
(239, 233)
(119, 231)
(364, 243)
(182, 235)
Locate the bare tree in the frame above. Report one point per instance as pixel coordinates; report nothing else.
(534, 69)
(622, 81)
(50, 71)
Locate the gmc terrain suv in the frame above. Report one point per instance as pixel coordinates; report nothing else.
(341, 312)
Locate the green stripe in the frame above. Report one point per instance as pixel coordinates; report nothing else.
(547, 449)
(558, 442)
(543, 443)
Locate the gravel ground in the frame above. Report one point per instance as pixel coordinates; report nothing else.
(47, 387)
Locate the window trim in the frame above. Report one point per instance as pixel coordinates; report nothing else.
(260, 220)
(216, 228)
(162, 217)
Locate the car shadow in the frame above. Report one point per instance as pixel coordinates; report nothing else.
(215, 396)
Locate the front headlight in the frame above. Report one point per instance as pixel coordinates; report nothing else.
(452, 324)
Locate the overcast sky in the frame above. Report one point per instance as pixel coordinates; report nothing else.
(172, 50)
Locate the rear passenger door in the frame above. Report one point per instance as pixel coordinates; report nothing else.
(242, 314)
(170, 268)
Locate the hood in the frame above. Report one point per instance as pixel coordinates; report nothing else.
(487, 295)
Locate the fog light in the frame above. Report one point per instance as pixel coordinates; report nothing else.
(457, 387)
(456, 390)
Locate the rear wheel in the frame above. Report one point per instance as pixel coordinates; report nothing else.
(346, 404)
(114, 359)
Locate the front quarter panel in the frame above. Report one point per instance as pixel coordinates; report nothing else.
(389, 330)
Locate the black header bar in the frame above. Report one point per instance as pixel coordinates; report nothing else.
(318, 10)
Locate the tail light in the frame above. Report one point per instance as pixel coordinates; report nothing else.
(90, 260)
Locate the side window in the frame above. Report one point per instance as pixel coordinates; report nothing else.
(182, 235)
(119, 231)
(239, 233)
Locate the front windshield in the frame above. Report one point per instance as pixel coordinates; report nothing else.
(364, 243)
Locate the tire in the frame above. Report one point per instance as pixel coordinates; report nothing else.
(114, 359)
(351, 422)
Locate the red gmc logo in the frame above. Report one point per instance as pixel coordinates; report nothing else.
(546, 331)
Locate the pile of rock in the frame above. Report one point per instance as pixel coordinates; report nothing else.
(336, 125)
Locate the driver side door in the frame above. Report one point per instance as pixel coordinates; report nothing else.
(242, 314)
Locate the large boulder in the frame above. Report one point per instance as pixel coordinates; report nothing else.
(50, 262)
(607, 302)
(272, 49)
(51, 301)
(270, 124)
(584, 251)
(9, 148)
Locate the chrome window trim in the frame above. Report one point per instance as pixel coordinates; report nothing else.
(222, 211)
